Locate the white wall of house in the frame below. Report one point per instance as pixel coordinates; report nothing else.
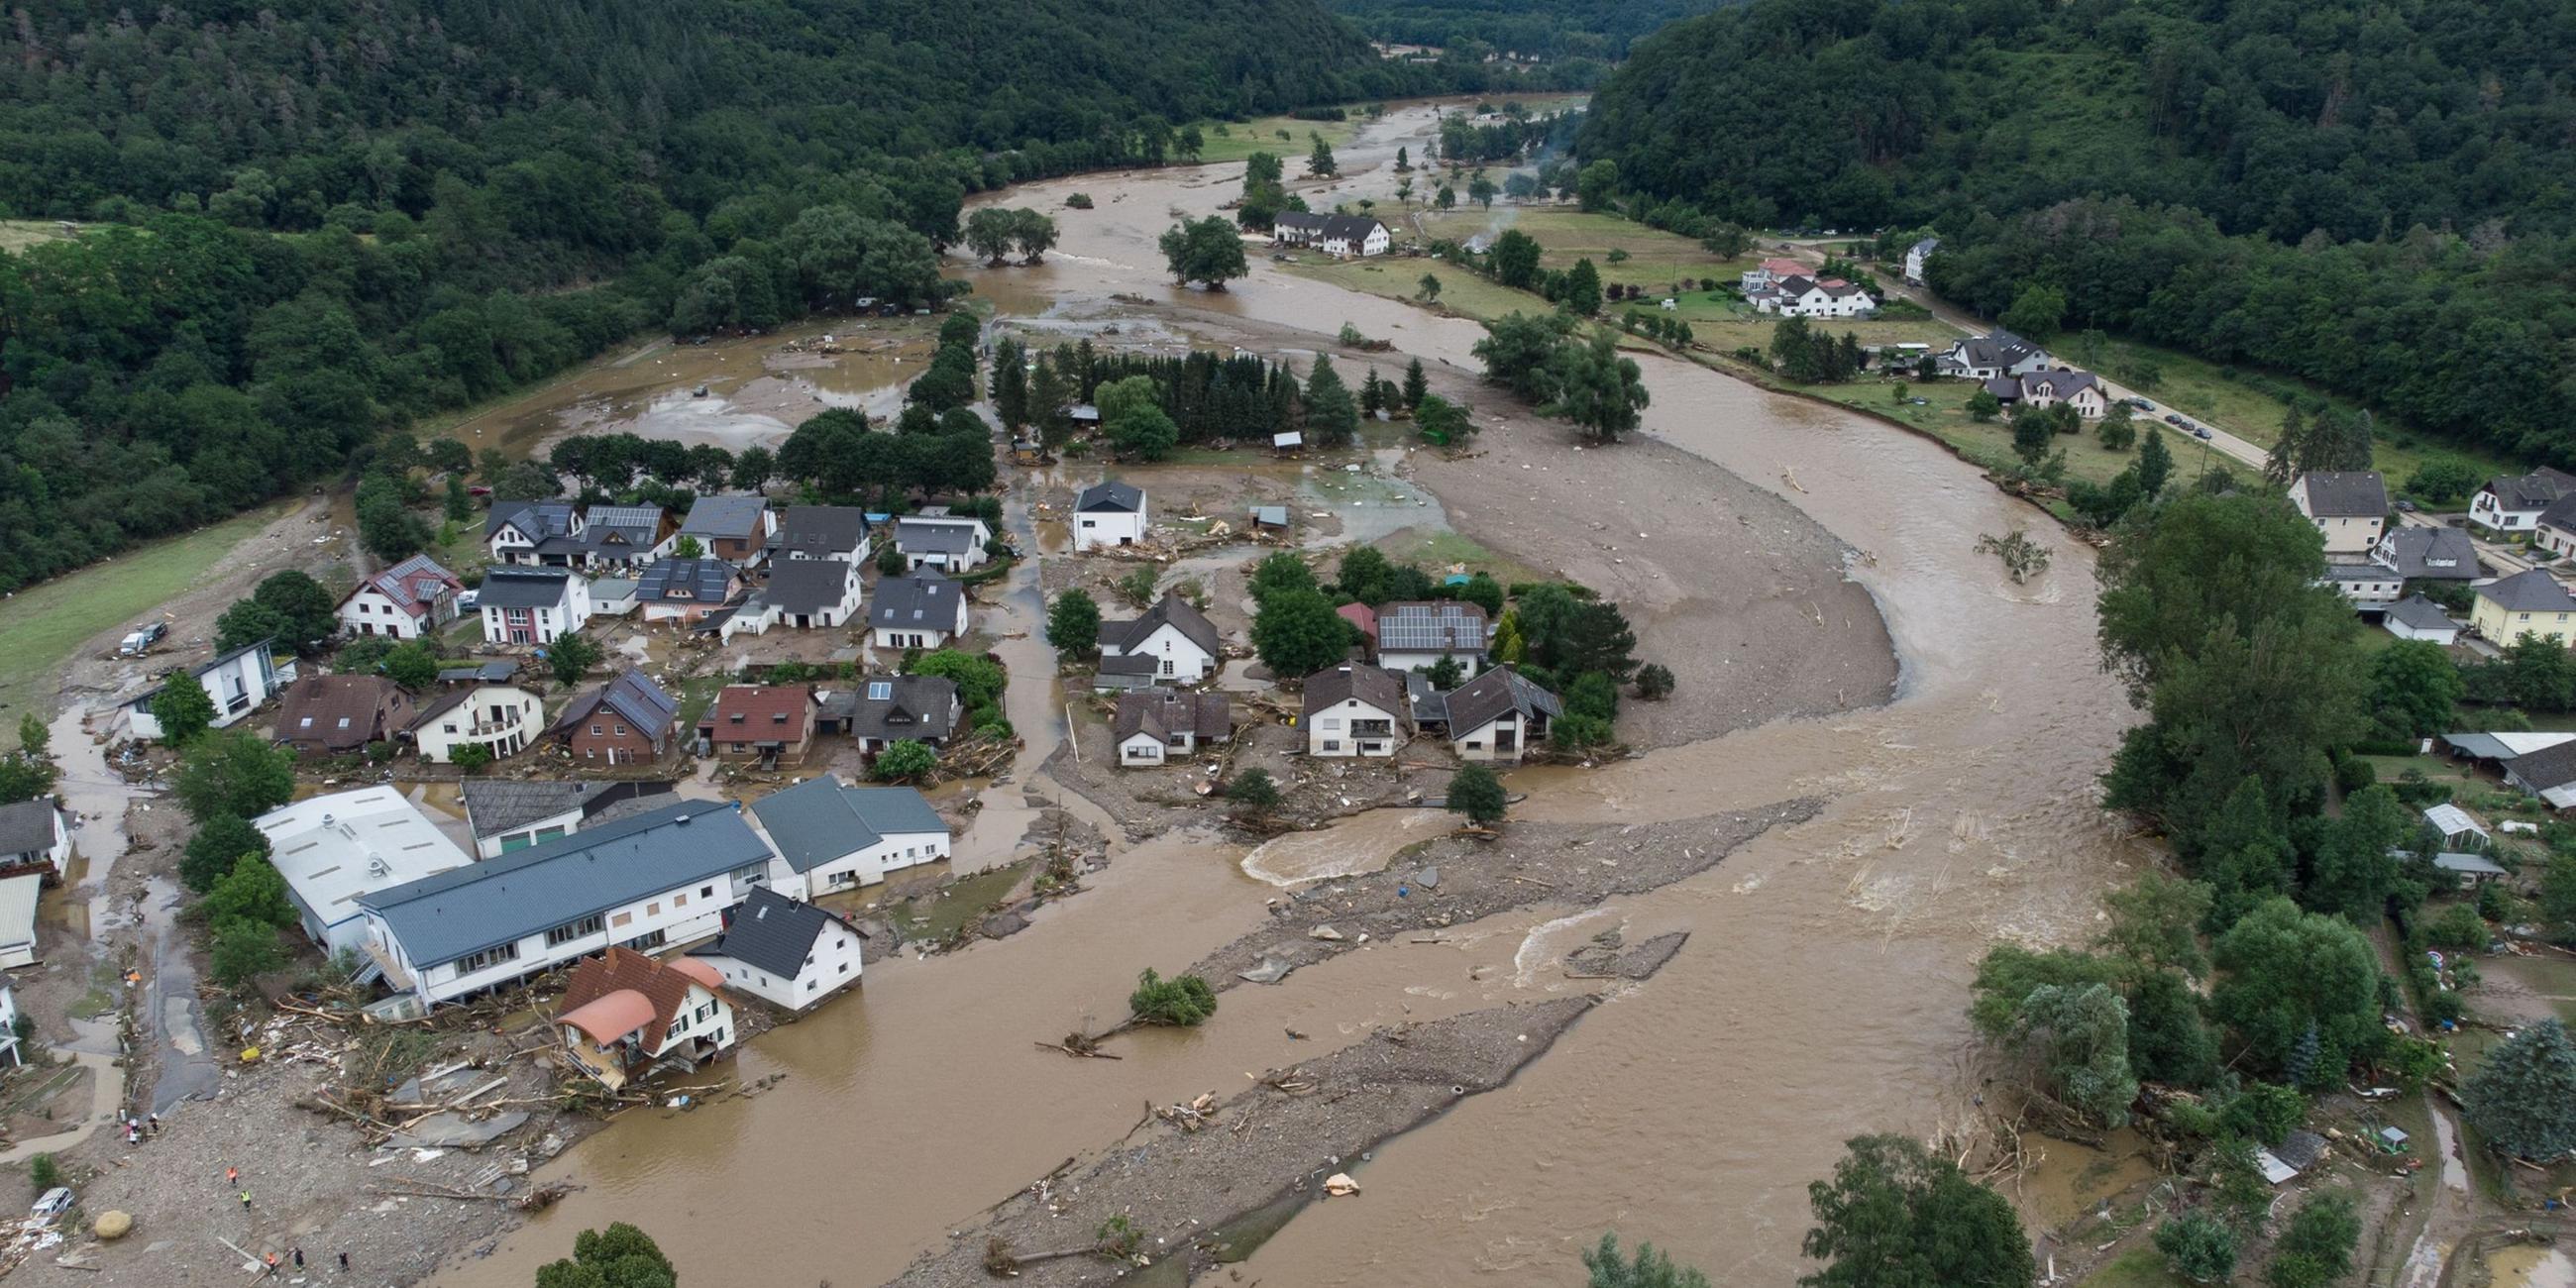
(922, 634)
(974, 557)
(2378, 590)
(1480, 743)
(535, 833)
(2088, 402)
(832, 966)
(239, 687)
(541, 625)
(371, 612)
(2487, 511)
(1141, 749)
(864, 867)
(1401, 662)
(2439, 635)
(502, 717)
(678, 916)
(1179, 656)
(1335, 731)
(58, 851)
(1110, 528)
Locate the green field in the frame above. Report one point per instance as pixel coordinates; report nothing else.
(1243, 138)
(46, 623)
(2139, 1267)
(19, 234)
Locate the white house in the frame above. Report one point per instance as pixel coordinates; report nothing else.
(1418, 634)
(2418, 618)
(1499, 716)
(1915, 255)
(822, 532)
(2348, 507)
(2081, 390)
(9, 1026)
(33, 835)
(1355, 710)
(18, 919)
(2367, 585)
(406, 601)
(503, 719)
(786, 953)
(507, 814)
(829, 836)
(1769, 273)
(664, 876)
(1109, 514)
(623, 1014)
(1154, 726)
(2513, 503)
(1332, 234)
(952, 543)
(1173, 643)
(1800, 296)
(1996, 355)
(532, 605)
(924, 612)
(811, 593)
(528, 533)
(239, 682)
(334, 850)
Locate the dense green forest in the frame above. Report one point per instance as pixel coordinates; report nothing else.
(1598, 31)
(326, 220)
(2373, 197)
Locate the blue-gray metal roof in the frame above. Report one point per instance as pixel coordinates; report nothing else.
(812, 824)
(925, 600)
(726, 516)
(441, 918)
(894, 810)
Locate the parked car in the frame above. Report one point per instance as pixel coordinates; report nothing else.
(2172, 419)
(2405, 505)
(55, 1202)
(141, 640)
(2140, 404)
(2200, 432)
(467, 600)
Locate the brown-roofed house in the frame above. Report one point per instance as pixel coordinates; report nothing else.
(769, 723)
(622, 1012)
(336, 714)
(1154, 725)
(623, 722)
(1356, 710)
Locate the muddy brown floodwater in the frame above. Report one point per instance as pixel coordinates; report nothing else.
(1820, 995)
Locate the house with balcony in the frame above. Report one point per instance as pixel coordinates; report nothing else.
(502, 719)
(687, 591)
(1172, 643)
(238, 680)
(529, 606)
(1499, 716)
(767, 724)
(951, 543)
(1355, 710)
(1157, 726)
(624, 1015)
(923, 612)
(735, 529)
(533, 533)
(2515, 502)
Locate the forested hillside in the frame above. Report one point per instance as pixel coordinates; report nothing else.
(331, 218)
(1599, 30)
(2374, 197)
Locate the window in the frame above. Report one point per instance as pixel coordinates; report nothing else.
(572, 930)
(845, 968)
(880, 690)
(653, 909)
(467, 965)
(705, 1012)
(621, 731)
(679, 901)
(594, 731)
(621, 919)
(812, 984)
(1332, 744)
(645, 942)
(344, 722)
(706, 892)
(673, 1032)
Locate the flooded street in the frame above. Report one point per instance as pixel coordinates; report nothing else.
(1820, 995)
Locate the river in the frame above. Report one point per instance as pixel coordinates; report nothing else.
(1820, 995)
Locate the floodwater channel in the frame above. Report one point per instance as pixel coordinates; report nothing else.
(1820, 996)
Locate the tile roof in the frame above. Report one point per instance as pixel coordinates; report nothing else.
(925, 600)
(27, 825)
(2533, 591)
(1431, 626)
(2445, 554)
(817, 531)
(809, 585)
(726, 516)
(1996, 348)
(1162, 713)
(705, 580)
(633, 695)
(1480, 701)
(2060, 384)
(1110, 496)
(514, 587)
(755, 713)
(1375, 686)
(2422, 614)
(341, 712)
(1361, 616)
(497, 671)
(903, 706)
(773, 933)
(525, 892)
(2531, 491)
(415, 585)
(2351, 494)
(916, 536)
(537, 519)
(2551, 766)
(621, 990)
(1173, 611)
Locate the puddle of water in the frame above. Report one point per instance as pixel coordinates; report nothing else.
(2526, 1266)
(1365, 843)
(2072, 1179)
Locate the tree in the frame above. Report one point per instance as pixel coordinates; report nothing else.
(1332, 416)
(252, 891)
(1416, 384)
(988, 234)
(1427, 289)
(1280, 570)
(2118, 432)
(1514, 257)
(2155, 923)
(2198, 1247)
(1033, 232)
(2205, 560)
(1073, 623)
(1581, 293)
(183, 708)
(1446, 198)
(2522, 1098)
(979, 680)
(906, 760)
(1650, 1269)
(412, 665)
(1132, 416)
(1598, 388)
(1297, 633)
(219, 843)
(1598, 184)
(2284, 973)
(1182, 1001)
(243, 950)
(1319, 159)
(1476, 793)
(1481, 190)
(753, 469)
(1983, 407)
(288, 607)
(1654, 682)
(2033, 437)
(620, 1256)
(2037, 312)
(458, 502)
(235, 772)
(470, 757)
(570, 657)
(1254, 789)
(1011, 384)
(2442, 480)
(2414, 687)
(1895, 1216)
(2154, 465)
(2354, 868)
(2080, 1039)
(2316, 1249)
(1207, 251)
(386, 525)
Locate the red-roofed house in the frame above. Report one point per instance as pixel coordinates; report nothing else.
(623, 1012)
(1768, 273)
(769, 723)
(1364, 619)
(406, 601)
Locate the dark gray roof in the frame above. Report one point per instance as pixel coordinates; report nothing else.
(1430, 705)
(1997, 348)
(816, 531)
(2351, 494)
(2534, 591)
(1130, 664)
(1110, 496)
(2061, 384)
(773, 933)
(927, 600)
(684, 581)
(635, 696)
(1375, 686)
(2359, 572)
(1171, 610)
(497, 671)
(916, 537)
(27, 826)
(805, 585)
(2421, 613)
(820, 819)
(2300, 1149)
(1161, 713)
(1355, 227)
(2546, 768)
(903, 706)
(1431, 626)
(538, 519)
(466, 910)
(2443, 554)
(2531, 491)
(726, 516)
(508, 587)
(1481, 700)
(497, 805)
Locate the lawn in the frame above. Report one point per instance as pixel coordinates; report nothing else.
(696, 694)
(1243, 138)
(19, 234)
(1461, 292)
(2139, 1267)
(1565, 234)
(45, 623)
(1435, 549)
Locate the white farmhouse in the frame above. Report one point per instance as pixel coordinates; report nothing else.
(334, 850)
(1498, 716)
(33, 836)
(1344, 235)
(238, 681)
(830, 836)
(532, 605)
(1109, 514)
(1173, 643)
(406, 601)
(1801, 296)
(1355, 710)
(784, 952)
